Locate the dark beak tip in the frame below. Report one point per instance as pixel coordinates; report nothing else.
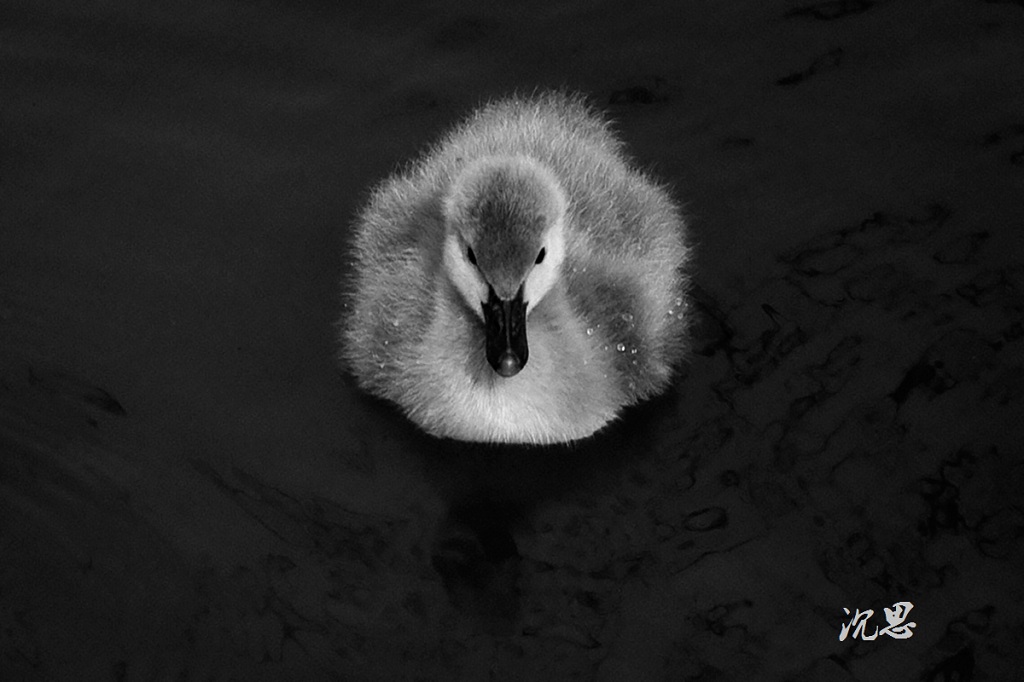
(508, 365)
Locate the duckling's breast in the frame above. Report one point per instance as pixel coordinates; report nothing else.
(566, 391)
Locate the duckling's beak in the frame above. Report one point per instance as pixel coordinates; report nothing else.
(505, 327)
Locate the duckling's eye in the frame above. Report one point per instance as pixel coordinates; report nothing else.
(540, 257)
(470, 255)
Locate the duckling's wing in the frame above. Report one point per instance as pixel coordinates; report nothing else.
(396, 253)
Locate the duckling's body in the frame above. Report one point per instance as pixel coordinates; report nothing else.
(521, 282)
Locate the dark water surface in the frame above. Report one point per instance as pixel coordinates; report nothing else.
(190, 489)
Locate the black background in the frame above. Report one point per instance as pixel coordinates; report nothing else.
(190, 489)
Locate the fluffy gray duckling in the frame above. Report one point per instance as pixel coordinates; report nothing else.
(521, 282)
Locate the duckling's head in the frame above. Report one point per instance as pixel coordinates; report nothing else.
(504, 245)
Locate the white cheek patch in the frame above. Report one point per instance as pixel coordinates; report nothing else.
(464, 276)
(542, 277)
